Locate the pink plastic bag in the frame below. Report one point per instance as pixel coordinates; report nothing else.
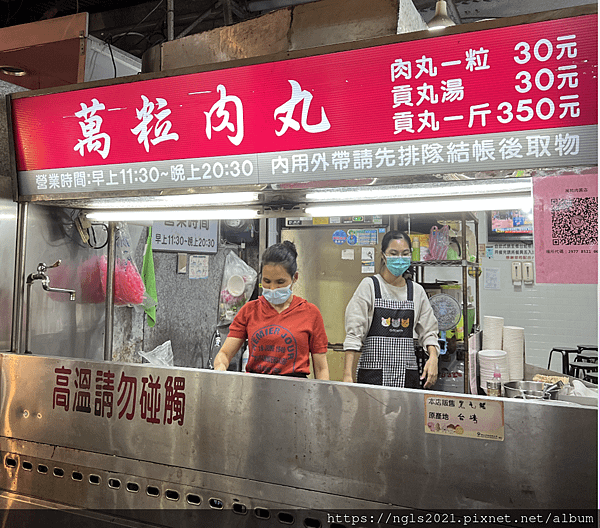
(129, 286)
(439, 240)
(91, 283)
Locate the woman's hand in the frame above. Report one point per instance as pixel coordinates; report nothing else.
(430, 370)
(320, 366)
(350, 365)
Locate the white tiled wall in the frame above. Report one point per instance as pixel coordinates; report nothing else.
(552, 314)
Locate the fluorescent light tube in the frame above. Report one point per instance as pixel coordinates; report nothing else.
(457, 188)
(179, 200)
(455, 205)
(172, 214)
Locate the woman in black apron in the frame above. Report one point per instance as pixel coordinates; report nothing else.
(384, 315)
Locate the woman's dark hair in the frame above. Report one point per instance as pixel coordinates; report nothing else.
(283, 254)
(394, 235)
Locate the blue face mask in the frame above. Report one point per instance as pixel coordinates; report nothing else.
(397, 265)
(278, 295)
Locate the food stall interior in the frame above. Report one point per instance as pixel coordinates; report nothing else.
(113, 411)
(214, 457)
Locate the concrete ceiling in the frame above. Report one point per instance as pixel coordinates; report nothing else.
(135, 26)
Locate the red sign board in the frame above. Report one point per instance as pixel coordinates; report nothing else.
(528, 77)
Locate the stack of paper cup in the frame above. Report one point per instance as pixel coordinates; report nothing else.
(488, 361)
(492, 332)
(514, 346)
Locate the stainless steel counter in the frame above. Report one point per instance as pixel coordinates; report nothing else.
(104, 435)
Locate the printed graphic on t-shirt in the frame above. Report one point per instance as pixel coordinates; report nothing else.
(273, 348)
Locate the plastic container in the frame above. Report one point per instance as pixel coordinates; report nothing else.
(494, 386)
(416, 249)
(245, 357)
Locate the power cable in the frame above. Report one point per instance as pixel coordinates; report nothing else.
(140, 22)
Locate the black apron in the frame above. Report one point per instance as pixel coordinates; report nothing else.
(388, 353)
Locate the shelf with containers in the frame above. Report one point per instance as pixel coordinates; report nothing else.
(468, 263)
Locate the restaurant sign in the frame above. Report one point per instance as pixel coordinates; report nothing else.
(103, 394)
(504, 98)
(481, 418)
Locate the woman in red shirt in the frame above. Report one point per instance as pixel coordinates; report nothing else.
(282, 330)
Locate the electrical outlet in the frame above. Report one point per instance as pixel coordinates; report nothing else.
(516, 272)
(528, 272)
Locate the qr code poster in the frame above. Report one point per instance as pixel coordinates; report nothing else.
(566, 228)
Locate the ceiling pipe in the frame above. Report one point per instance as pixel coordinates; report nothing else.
(202, 17)
(227, 13)
(170, 19)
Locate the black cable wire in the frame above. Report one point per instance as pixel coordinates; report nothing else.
(151, 33)
(111, 55)
(10, 17)
(94, 234)
(140, 22)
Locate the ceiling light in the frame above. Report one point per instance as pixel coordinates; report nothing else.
(423, 190)
(172, 214)
(433, 205)
(183, 200)
(440, 19)
(13, 71)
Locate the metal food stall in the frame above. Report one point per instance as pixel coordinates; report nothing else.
(136, 443)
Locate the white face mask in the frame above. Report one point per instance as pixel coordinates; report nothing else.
(278, 295)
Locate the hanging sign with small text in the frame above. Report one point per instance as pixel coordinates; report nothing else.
(511, 97)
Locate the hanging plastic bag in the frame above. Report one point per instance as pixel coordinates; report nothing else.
(161, 356)
(89, 278)
(439, 240)
(128, 284)
(237, 286)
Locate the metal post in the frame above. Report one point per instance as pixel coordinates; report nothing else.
(465, 296)
(110, 292)
(272, 232)
(170, 19)
(262, 237)
(227, 12)
(477, 272)
(16, 344)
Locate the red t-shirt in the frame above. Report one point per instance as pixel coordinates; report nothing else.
(280, 343)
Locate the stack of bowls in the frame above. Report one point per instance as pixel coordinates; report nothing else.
(488, 361)
(513, 342)
(493, 328)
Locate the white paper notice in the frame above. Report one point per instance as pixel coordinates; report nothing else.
(198, 265)
(367, 254)
(367, 259)
(347, 254)
(491, 278)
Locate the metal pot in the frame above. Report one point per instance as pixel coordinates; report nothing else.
(529, 390)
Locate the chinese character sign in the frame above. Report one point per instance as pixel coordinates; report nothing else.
(565, 218)
(191, 236)
(155, 399)
(533, 77)
(464, 417)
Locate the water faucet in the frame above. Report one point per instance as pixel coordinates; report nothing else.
(41, 275)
